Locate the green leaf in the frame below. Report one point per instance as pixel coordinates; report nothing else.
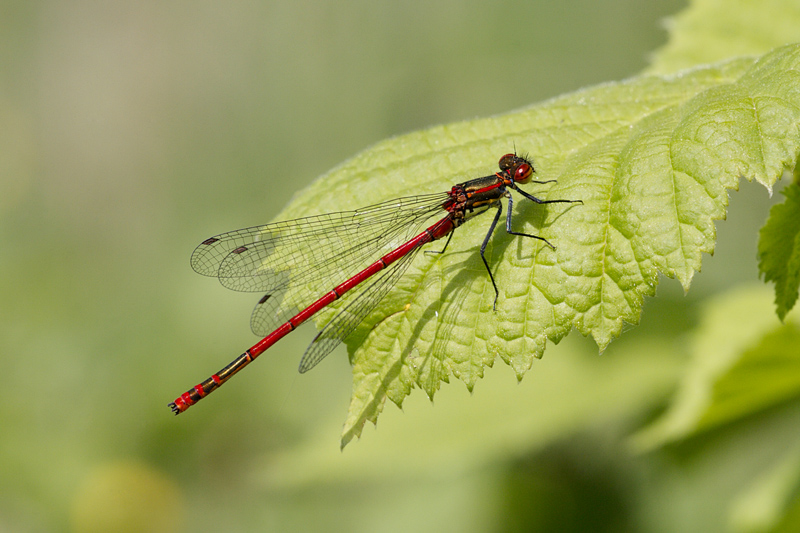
(730, 324)
(574, 393)
(764, 376)
(779, 249)
(743, 361)
(763, 505)
(651, 158)
(713, 30)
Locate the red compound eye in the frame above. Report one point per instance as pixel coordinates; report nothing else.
(523, 173)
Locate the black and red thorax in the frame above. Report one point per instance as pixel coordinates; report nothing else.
(477, 195)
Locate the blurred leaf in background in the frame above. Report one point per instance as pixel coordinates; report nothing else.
(779, 248)
(130, 132)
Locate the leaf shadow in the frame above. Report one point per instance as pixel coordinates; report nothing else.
(431, 368)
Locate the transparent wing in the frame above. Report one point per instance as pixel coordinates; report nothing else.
(294, 262)
(348, 319)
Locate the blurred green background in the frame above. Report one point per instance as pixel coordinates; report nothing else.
(131, 132)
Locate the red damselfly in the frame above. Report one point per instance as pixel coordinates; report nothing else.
(285, 260)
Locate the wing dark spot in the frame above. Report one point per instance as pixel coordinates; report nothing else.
(264, 299)
(239, 250)
(210, 240)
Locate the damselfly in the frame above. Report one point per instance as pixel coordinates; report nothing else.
(285, 260)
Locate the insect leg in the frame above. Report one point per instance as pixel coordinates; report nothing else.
(483, 249)
(508, 219)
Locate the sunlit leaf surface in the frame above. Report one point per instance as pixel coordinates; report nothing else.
(652, 159)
